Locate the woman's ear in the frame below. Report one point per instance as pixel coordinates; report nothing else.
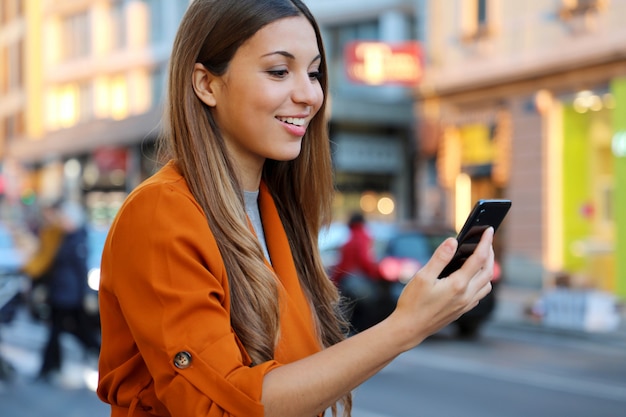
(203, 84)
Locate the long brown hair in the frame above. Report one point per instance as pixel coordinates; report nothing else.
(210, 33)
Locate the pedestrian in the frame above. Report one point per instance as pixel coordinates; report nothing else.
(60, 264)
(357, 276)
(213, 297)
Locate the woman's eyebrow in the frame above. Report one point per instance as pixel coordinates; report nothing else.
(289, 55)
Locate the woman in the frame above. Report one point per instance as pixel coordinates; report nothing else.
(214, 301)
(60, 264)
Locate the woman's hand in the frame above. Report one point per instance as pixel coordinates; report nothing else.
(428, 304)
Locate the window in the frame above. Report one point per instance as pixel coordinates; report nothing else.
(75, 36)
(157, 21)
(11, 72)
(4, 69)
(580, 15)
(477, 18)
(118, 97)
(70, 104)
(85, 102)
(14, 125)
(337, 38)
(571, 8)
(118, 25)
(10, 10)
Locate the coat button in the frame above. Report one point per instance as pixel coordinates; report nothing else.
(182, 360)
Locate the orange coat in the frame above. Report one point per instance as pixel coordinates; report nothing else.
(168, 348)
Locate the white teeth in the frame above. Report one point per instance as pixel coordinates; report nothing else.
(292, 120)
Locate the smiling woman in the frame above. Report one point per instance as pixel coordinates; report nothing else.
(213, 296)
(265, 101)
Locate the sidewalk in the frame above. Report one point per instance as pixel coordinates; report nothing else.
(22, 342)
(511, 313)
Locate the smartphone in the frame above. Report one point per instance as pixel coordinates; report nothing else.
(485, 213)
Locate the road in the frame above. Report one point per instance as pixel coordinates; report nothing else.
(508, 372)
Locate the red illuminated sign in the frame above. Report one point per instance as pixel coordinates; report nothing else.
(383, 63)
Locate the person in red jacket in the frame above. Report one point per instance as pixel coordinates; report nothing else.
(356, 274)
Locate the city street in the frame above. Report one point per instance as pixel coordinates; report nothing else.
(510, 371)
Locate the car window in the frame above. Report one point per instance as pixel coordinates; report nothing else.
(414, 246)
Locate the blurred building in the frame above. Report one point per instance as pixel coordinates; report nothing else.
(96, 72)
(88, 78)
(372, 119)
(527, 100)
(434, 104)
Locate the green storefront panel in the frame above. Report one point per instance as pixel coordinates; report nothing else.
(618, 88)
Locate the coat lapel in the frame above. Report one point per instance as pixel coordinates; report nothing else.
(295, 301)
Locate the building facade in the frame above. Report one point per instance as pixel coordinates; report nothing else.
(94, 78)
(525, 100)
(521, 100)
(372, 124)
(96, 70)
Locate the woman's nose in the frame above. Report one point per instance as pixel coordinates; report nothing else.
(308, 91)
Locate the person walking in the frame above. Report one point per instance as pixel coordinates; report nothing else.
(60, 263)
(213, 297)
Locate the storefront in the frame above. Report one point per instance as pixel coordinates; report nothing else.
(560, 154)
(588, 187)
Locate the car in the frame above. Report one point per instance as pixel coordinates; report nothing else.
(409, 249)
(401, 249)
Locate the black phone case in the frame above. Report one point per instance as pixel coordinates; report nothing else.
(485, 213)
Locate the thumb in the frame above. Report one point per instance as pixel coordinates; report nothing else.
(441, 257)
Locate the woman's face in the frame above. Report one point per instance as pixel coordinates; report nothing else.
(269, 94)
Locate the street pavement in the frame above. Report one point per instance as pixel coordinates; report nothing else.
(72, 394)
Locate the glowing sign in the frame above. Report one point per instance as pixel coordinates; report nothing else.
(618, 144)
(380, 63)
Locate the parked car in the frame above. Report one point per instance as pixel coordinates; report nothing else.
(401, 250)
(409, 249)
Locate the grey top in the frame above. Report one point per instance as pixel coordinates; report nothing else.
(252, 209)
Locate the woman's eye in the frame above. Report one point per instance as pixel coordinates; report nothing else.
(315, 75)
(281, 73)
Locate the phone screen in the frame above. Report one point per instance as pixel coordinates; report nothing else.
(486, 213)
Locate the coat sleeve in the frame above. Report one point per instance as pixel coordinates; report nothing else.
(165, 312)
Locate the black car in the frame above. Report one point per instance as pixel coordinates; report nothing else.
(402, 249)
(408, 250)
